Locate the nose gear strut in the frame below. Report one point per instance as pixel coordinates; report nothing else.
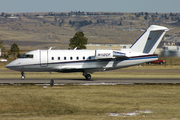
(22, 77)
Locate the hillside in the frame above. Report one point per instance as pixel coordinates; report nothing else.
(43, 30)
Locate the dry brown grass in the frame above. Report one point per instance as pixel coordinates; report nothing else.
(89, 102)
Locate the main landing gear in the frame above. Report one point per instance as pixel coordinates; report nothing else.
(22, 77)
(87, 76)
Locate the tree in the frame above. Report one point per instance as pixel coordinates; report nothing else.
(97, 21)
(146, 13)
(120, 24)
(79, 41)
(14, 50)
(138, 14)
(1, 44)
(171, 14)
(145, 17)
(2, 14)
(179, 20)
(60, 24)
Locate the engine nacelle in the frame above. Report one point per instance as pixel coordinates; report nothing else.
(107, 54)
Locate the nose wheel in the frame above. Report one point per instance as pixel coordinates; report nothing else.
(22, 77)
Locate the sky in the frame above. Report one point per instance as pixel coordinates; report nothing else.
(25, 6)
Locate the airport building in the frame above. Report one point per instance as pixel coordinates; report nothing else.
(170, 51)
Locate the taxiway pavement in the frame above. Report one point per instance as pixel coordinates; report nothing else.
(93, 81)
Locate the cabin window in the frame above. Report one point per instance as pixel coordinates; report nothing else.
(77, 58)
(52, 58)
(64, 58)
(71, 58)
(58, 58)
(83, 58)
(89, 58)
(30, 56)
(26, 56)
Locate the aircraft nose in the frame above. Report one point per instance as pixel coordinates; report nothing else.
(13, 66)
(8, 65)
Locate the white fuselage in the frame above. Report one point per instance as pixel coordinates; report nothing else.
(78, 60)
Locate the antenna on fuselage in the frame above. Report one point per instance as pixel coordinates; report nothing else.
(75, 48)
(50, 48)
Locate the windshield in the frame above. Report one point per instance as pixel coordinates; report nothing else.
(26, 56)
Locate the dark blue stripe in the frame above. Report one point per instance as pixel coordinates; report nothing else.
(137, 58)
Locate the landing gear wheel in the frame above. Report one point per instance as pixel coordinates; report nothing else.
(88, 77)
(52, 82)
(22, 77)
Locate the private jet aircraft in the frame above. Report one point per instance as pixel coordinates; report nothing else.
(90, 61)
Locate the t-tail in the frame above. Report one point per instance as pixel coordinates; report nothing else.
(149, 40)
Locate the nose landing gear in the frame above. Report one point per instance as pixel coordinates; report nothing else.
(22, 77)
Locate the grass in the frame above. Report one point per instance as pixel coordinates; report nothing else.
(89, 102)
(92, 102)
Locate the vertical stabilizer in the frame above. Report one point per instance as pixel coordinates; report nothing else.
(149, 40)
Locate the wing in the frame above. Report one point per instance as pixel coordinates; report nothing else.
(98, 63)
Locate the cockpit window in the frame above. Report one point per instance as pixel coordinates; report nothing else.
(26, 56)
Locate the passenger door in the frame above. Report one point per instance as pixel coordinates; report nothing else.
(44, 58)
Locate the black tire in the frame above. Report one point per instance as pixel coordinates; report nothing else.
(88, 77)
(160, 63)
(149, 63)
